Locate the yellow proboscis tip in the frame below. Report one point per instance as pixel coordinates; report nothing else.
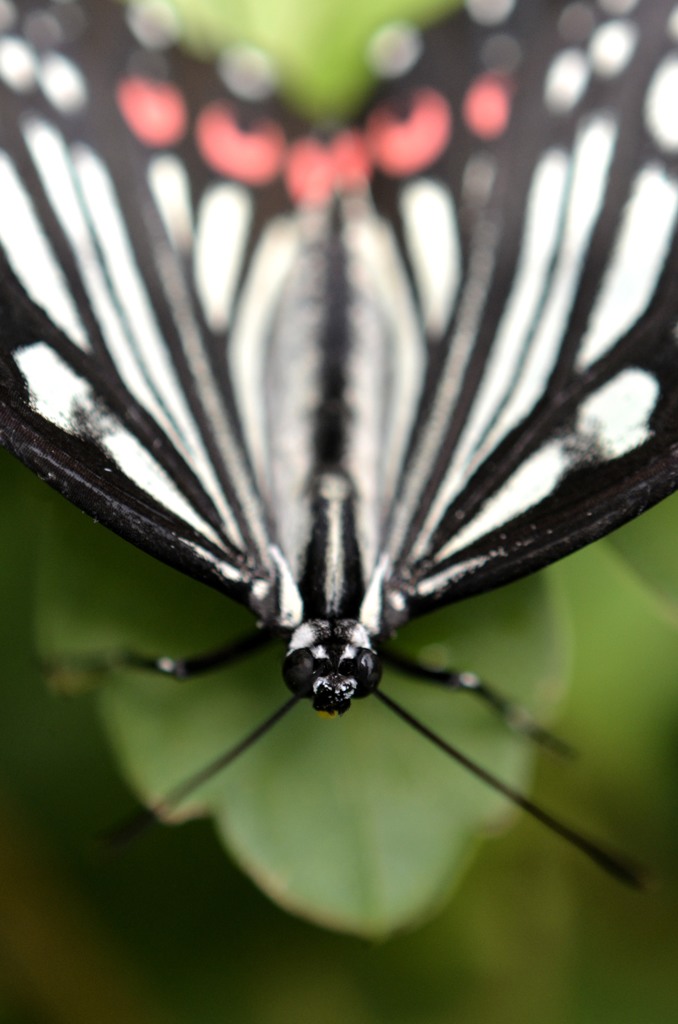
(328, 714)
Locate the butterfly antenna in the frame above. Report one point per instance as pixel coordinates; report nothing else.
(610, 863)
(144, 819)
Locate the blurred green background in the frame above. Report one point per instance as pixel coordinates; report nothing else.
(172, 931)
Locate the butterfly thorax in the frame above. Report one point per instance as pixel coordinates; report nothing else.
(331, 662)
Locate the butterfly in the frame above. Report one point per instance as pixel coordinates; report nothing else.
(345, 375)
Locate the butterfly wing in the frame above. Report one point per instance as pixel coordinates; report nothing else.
(141, 266)
(543, 255)
(126, 245)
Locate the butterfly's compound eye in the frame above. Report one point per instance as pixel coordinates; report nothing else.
(298, 670)
(367, 672)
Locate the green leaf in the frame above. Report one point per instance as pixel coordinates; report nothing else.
(357, 824)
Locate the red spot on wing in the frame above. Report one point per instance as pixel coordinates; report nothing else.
(352, 163)
(316, 170)
(486, 108)
(401, 146)
(253, 156)
(155, 112)
(310, 173)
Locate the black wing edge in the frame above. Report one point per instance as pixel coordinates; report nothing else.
(120, 506)
(531, 549)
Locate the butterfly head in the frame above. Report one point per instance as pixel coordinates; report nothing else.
(331, 663)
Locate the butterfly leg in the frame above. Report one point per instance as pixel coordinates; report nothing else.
(176, 668)
(516, 718)
(186, 668)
